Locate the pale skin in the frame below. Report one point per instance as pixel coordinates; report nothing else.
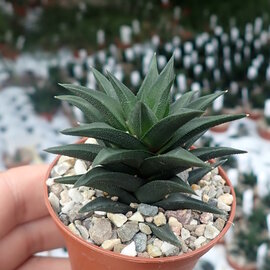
(25, 225)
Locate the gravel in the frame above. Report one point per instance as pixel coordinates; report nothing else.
(128, 233)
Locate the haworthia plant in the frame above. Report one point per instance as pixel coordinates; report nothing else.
(144, 142)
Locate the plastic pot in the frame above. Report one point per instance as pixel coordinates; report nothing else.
(264, 133)
(86, 256)
(236, 266)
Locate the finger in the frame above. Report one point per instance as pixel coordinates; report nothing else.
(21, 197)
(27, 239)
(45, 263)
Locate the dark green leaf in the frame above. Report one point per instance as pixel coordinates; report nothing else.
(154, 94)
(141, 119)
(157, 190)
(192, 140)
(90, 112)
(163, 102)
(68, 180)
(207, 153)
(197, 174)
(104, 84)
(176, 201)
(196, 126)
(132, 158)
(170, 161)
(181, 102)
(81, 151)
(149, 79)
(126, 97)
(165, 233)
(107, 205)
(99, 175)
(161, 132)
(107, 133)
(203, 102)
(108, 107)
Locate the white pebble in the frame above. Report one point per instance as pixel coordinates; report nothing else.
(137, 217)
(80, 167)
(129, 250)
(117, 219)
(54, 201)
(75, 195)
(61, 168)
(185, 234)
(67, 207)
(50, 182)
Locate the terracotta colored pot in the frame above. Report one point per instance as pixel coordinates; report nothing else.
(86, 256)
(264, 133)
(254, 114)
(236, 266)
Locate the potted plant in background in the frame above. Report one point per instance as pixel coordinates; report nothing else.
(263, 124)
(136, 186)
(249, 234)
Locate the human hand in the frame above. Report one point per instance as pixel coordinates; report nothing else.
(25, 225)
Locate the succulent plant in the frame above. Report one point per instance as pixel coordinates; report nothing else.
(144, 142)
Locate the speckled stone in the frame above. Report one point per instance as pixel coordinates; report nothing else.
(117, 219)
(160, 219)
(110, 244)
(127, 231)
(183, 216)
(145, 228)
(140, 240)
(211, 232)
(147, 210)
(101, 230)
(154, 251)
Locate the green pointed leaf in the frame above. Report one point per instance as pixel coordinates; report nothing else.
(108, 107)
(202, 103)
(107, 133)
(163, 102)
(104, 84)
(156, 190)
(132, 158)
(176, 201)
(207, 153)
(196, 126)
(162, 132)
(197, 174)
(81, 151)
(170, 161)
(155, 93)
(181, 102)
(165, 233)
(149, 79)
(90, 112)
(126, 97)
(107, 205)
(141, 119)
(68, 180)
(192, 140)
(99, 175)
(123, 195)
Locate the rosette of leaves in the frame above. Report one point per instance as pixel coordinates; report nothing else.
(144, 142)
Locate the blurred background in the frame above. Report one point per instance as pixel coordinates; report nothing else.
(217, 45)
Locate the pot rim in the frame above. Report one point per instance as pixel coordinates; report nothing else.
(184, 256)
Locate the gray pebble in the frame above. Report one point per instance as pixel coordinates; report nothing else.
(147, 210)
(127, 231)
(140, 240)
